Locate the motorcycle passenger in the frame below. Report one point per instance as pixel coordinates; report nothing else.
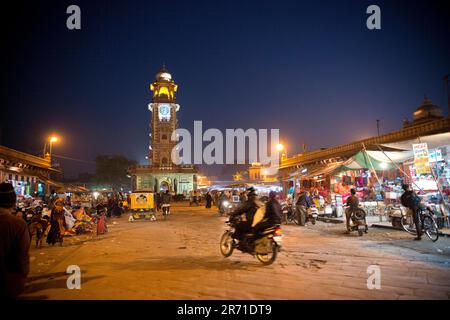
(352, 205)
(272, 215)
(248, 208)
(411, 200)
(303, 203)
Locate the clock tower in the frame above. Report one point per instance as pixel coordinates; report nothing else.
(163, 119)
(161, 174)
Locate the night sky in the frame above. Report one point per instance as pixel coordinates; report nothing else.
(310, 68)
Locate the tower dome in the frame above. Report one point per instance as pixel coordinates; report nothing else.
(427, 111)
(163, 74)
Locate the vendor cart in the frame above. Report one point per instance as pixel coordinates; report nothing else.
(142, 206)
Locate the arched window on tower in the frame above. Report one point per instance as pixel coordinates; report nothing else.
(164, 137)
(164, 161)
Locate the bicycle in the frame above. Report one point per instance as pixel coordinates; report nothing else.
(427, 221)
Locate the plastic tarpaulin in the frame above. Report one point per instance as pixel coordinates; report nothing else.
(433, 141)
(377, 159)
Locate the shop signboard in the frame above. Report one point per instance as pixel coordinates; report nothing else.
(421, 158)
(436, 155)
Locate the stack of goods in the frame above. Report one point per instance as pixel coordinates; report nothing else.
(79, 223)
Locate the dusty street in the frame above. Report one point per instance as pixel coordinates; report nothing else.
(180, 259)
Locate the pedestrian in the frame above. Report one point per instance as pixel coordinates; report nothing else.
(57, 223)
(14, 246)
(411, 200)
(208, 199)
(102, 228)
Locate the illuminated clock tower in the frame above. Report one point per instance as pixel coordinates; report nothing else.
(161, 173)
(163, 119)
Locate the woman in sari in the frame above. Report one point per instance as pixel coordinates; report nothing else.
(101, 224)
(57, 223)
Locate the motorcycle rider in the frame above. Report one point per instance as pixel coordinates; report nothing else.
(303, 203)
(352, 205)
(411, 200)
(248, 208)
(166, 198)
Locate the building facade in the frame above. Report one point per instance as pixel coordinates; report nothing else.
(329, 168)
(30, 175)
(162, 173)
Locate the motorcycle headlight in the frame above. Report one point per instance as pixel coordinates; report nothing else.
(226, 203)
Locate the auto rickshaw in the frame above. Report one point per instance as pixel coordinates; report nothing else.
(142, 206)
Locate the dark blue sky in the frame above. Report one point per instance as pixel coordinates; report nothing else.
(310, 68)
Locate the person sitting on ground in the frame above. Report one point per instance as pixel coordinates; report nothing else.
(14, 246)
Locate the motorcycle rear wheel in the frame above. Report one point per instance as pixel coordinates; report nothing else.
(226, 244)
(267, 259)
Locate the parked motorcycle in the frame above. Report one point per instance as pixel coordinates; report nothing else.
(396, 214)
(308, 215)
(289, 214)
(264, 247)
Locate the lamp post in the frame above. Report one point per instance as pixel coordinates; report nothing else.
(281, 148)
(50, 141)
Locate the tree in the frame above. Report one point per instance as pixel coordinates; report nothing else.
(112, 170)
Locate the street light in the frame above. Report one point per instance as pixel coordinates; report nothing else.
(53, 139)
(280, 147)
(50, 141)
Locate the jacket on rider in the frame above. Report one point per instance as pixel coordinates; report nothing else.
(353, 202)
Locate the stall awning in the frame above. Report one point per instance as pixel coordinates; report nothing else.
(51, 183)
(433, 141)
(316, 170)
(377, 160)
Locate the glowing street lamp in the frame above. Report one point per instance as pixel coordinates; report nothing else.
(281, 150)
(280, 147)
(51, 140)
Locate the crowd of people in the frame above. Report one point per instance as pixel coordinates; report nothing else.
(25, 219)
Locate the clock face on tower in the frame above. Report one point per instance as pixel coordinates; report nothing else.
(164, 112)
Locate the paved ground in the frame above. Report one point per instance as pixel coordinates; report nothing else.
(180, 259)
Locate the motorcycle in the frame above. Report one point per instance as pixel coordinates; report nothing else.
(289, 214)
(396, 214)
(308, 215)
(358, 221)
(165, 208)
(264, 247)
